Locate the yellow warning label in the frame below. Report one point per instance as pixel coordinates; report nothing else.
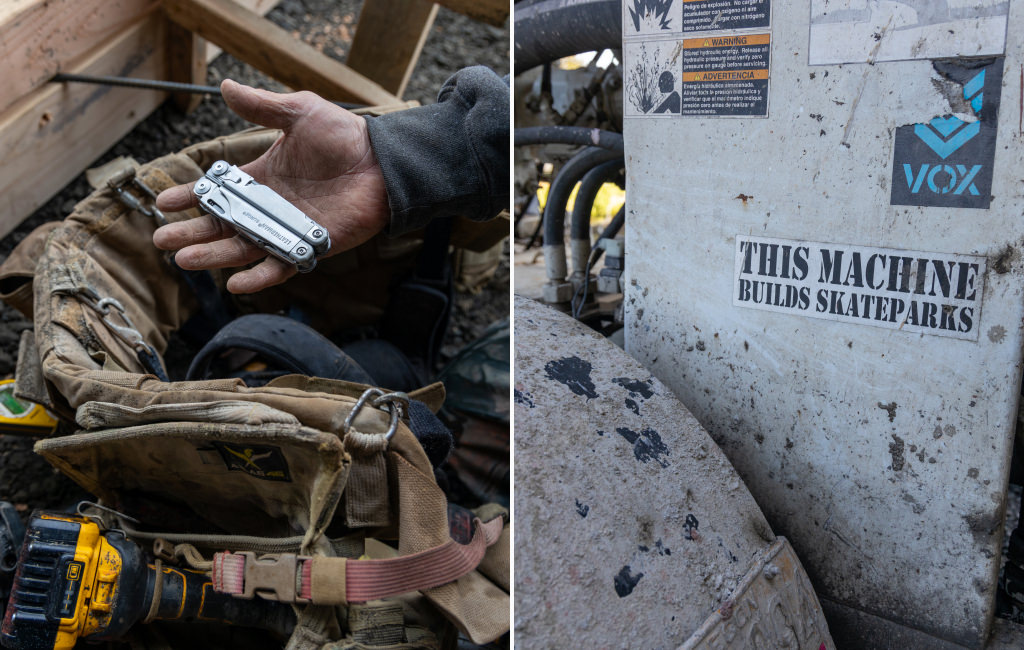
(727, 41)
(725, 75)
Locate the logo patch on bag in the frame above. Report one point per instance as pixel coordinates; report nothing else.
(262, 461)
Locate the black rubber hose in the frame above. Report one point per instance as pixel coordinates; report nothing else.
(551, 29)
(579, 135)
(589, 187)
(561, 188)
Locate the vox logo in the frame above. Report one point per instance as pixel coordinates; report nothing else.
(942, 179)
(947, 161)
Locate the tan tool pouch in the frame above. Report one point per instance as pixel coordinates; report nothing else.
(276, 468)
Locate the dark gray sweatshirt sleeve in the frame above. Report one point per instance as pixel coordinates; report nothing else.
(450, 158)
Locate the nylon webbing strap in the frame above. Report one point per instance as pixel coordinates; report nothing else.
(337, 581)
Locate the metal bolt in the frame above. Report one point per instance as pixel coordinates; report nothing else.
(203, 186)
(219, 167)
(318, 233)
(301, 250)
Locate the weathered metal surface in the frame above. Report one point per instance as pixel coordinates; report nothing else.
(631, 526)
(880, 451)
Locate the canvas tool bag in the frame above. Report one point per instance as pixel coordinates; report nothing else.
(321, 483)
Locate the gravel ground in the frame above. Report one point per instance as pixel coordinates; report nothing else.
(454, 42)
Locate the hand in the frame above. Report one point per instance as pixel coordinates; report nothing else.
(322, 163)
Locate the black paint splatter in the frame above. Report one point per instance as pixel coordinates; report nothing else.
(889, 408)
(732, 558)
(635, 387)
(638, 390)
(582, 509)
(625, 581)
(896, 450)
(659, 548)
(574, 373)
(690, 527)
(524, 398)
(647, 445)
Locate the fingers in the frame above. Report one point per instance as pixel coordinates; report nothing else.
(200, 230)
(177, 198)
(208, 243)
(274, 110)
(220, 254)
(267, 273)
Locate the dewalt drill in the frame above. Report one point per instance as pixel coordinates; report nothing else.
(76, 581)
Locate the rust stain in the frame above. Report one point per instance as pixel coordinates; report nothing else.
(744, 197)
(725, 611)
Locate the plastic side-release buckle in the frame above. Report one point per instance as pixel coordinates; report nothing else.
(271, 577)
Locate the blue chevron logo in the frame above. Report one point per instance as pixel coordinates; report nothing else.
(944, 135)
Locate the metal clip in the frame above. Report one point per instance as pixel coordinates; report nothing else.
(118, 184)
(126, 332)
(397, 405)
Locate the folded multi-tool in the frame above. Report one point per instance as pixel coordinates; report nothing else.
(261, 215)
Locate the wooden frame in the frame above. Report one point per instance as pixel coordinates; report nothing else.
(49, 133)
(273, 51)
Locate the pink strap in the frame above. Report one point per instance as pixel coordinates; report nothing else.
(372, 579)
(367, 580)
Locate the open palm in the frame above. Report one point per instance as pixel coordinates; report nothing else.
(322, 163)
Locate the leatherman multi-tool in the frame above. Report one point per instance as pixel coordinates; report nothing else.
(261, 215)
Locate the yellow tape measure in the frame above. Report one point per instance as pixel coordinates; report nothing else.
(21, 417)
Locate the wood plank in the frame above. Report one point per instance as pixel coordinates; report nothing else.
(492, 12)
(186, 63)
(52, 132)
(39, 39)
(49, 137)
(262, 7)
(273, 51)
(403, 25)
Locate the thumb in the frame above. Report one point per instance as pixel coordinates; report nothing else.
(270, 109)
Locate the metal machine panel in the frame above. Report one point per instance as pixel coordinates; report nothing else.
(831, 282)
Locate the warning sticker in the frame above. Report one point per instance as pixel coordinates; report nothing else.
(726, 75)
(947, 162)
(927, 293)
(651, 17)
(711, 15)
(653, 78)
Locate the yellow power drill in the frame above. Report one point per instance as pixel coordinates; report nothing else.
(77, 581)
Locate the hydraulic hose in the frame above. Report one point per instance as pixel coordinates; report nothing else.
(577, 135)
(579, 230)
(554, 210)
(551, 29)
